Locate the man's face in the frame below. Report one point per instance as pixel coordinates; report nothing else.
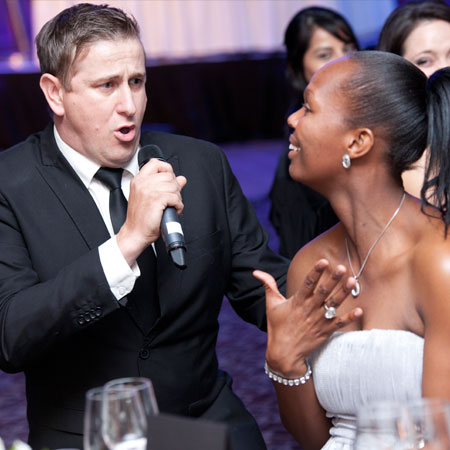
(105, 104)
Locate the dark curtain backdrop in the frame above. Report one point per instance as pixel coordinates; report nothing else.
(236, 99)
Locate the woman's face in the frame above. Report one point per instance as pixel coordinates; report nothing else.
(320, 131)
(323, 48)
(428, 46)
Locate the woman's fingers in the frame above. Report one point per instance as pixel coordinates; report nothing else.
(346, 319)
(315, 294)
(322, 292)
(313, 277)
(336, 289)
(340, 294)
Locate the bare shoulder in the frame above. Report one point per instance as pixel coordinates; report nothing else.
(431, 284)
(431, 269)
(324, 246)
(432, 252)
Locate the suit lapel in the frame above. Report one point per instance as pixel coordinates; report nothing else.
(73, 195)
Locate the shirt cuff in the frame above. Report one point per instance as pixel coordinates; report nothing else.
(120, 276)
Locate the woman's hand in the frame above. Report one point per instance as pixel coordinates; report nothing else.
(297, 326)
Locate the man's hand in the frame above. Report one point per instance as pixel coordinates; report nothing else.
(152, 190)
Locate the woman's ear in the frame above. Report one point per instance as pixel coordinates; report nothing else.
(359, 142)
(53, 91)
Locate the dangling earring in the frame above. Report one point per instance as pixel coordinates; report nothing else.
(346, 162)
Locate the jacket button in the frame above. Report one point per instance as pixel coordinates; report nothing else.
(144, 353)
(87, 317)
(80, 320)
(98, 311)
(92, 314)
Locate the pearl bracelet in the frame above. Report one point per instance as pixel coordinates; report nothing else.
(289, 381)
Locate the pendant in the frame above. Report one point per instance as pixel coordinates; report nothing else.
(356, 290)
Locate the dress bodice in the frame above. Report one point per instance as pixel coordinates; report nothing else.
(358, 367)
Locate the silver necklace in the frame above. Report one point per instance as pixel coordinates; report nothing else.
(356, 291)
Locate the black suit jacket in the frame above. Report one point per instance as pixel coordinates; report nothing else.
(298, 213)
(59, 321)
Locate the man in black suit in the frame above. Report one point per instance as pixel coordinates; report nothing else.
(81, 301)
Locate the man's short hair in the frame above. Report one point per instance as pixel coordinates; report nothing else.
(61, 39)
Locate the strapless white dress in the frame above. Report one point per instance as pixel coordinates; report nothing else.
(359, 367)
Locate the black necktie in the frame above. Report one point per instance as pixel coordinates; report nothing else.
(144, 296)
(112, 178)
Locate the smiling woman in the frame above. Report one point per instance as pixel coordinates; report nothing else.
(367, 118)
(420, 32)
(428, 46)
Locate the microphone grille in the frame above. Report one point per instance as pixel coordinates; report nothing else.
(148, 152)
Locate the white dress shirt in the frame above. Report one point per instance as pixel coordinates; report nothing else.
(120, 276)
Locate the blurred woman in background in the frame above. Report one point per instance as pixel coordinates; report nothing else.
(314, 37)
(420, 32)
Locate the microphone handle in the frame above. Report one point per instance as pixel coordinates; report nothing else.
(173, 236)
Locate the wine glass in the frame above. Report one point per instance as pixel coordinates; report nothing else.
(144, 388)
(133, 398)
(93, 420)
(384, 426)
(124, 419)
(431, 420)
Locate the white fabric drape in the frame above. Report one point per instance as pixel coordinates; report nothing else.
(195, 28)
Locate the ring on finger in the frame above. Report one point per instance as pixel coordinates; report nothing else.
(330, 311)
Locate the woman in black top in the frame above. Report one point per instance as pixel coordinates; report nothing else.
(314, 37)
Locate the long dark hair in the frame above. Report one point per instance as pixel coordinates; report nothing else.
(405, 18)
(435, 190)
(298, 35)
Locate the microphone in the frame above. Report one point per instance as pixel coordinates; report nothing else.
(170, 224)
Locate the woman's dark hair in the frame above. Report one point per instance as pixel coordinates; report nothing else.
(298, 35)
(404, 19)
(386, 92)
(389, 94)
(435, 190)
